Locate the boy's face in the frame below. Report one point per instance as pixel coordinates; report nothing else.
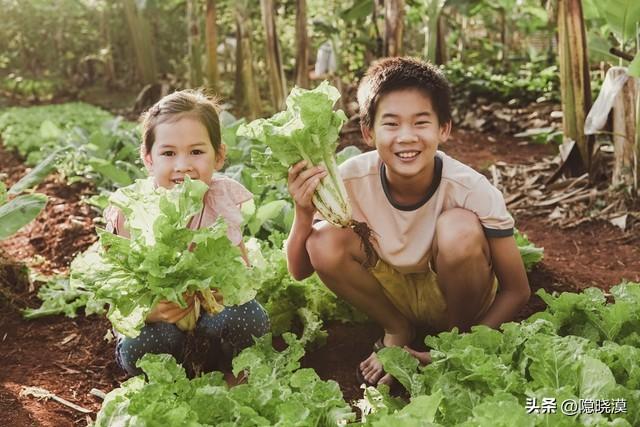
(406, 132)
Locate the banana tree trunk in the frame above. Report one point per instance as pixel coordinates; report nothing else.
(140, 32)
(212, 45)
(105, 31)
(277, 82)
(193, 40)
(574, 79)
(625, 166)
(246, 89)
(393, 27)
(302, 45)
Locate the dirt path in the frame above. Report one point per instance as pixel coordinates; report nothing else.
(69, 357)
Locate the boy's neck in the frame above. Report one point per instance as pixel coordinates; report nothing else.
(408, 191)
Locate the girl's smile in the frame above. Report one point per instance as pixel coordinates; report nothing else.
(182, 147)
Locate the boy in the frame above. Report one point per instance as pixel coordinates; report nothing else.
(442, 233)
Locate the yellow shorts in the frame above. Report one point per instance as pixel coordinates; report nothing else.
(417, 295)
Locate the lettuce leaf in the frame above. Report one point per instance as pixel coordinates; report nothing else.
(156, 263)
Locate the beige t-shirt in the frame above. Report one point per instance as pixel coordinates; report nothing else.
(404, 234)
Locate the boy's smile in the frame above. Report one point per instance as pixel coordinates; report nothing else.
(406, 132)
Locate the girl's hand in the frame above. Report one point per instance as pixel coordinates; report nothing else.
(302, 183)
(170, 312)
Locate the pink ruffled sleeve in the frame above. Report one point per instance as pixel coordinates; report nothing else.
(224, 198)
(115, 221)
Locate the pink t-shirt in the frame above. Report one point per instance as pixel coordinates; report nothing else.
(403, 235)
(223, 198)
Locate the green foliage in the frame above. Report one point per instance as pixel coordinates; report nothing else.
(307, 130)
(530, 82)
(156, 263)
(278, 393)
(15, 213)
(88, 142)
(579, 348)
(19, 211)
(531, 255)
(283, 297)
(29, 129)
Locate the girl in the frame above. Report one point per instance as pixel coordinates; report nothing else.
(181, 136)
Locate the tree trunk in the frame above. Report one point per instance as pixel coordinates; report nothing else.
(393, 27)
(193, 41)
(574, 79)
(441, 45)
(105, 30)
(277, 83)
(246, 89)
(302, 45)
(212, 45)
(140, 32)
(625, 166)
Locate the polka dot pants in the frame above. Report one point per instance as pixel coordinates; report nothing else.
(232, 329)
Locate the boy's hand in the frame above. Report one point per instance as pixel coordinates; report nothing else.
(170, 312)
(302, 183)
(424, 357)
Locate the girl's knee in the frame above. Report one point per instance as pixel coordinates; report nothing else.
(154, 338)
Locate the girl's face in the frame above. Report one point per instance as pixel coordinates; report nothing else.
(181, 148)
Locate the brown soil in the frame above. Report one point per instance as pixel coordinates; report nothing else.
(69, 357)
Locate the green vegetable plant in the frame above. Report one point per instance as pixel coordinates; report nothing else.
(21, 209)
(163, 259)
(581, 347)
(276, 393)
(307, 130)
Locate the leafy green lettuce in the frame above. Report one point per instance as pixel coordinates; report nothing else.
(579, 348)
(277, 393)
(163, 259)
(307, 130)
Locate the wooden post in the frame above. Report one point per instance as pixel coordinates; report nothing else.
(212, 45)
(302, 45)
(574, 79)
(141, 37)
(193, 42)
(625, 148)
(277, 82)
(393, 27)
(246, 89)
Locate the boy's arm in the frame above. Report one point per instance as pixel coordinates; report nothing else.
(514, 291)
(298, 261)
(302, 183)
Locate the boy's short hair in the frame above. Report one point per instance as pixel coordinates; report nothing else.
(391, 74)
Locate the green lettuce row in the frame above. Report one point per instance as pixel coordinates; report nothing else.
(277, 393)
(579, 348)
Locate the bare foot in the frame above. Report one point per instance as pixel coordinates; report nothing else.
(371, 367)
(233, 381)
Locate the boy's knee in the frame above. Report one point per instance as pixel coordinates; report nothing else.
(328, 248)
(459, 237)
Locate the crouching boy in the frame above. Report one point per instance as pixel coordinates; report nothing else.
(445, 253)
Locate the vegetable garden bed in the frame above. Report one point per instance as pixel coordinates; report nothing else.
(70, 357)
